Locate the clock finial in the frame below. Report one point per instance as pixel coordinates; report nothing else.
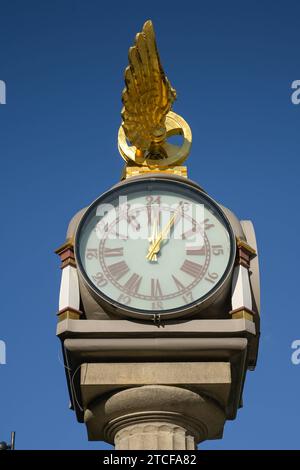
(147, 119)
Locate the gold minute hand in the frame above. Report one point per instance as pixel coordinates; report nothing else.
(154, 234)
(155, 245)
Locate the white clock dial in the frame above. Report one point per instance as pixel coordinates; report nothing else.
(154, 246)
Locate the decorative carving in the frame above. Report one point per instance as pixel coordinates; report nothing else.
(66, 254)
(241, 297)
(244, 253)
(148, 96)
(69, 296)
(69, 313)
(147, 117)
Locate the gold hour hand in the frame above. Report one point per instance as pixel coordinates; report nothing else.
(154, 234)
(154, 248)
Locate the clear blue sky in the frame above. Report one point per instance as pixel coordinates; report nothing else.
(232, 64)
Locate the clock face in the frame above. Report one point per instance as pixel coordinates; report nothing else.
(154, 247)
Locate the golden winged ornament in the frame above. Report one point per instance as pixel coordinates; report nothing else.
(147, 119)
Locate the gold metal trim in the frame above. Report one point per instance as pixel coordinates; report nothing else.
(242, 244)
(130, 171)
(69, 244)
(68, 314)
(242, 313)
(173, 154)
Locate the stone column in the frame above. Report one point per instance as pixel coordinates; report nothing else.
(154, 417)
(158, 435)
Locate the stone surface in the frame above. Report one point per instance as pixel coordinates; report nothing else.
(176, 408)
(101, 328)
(241, 289)
(213, 378)
(156, 350)
(154, 436)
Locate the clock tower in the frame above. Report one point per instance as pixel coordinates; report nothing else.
(159, 300)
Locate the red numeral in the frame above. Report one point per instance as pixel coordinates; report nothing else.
(155, 288)
(217, 250)
(91, 253)
(118, 270)
(191, 232)
(212, 277)
(191, 268)
(153, 200)
(124, 299)
(99, 279)
(107, 252)
(195, 250)
(179, 285)
(207, 225)
(133, 284)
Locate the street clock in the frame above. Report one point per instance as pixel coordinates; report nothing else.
(155, 246)
(159, 298)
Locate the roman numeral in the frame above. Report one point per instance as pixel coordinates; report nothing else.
(190, 233)
(196, 228)
(179, 285)
(195, 250)
(118, 270)
(191, 268)
(133, 283)
(107, 252)
(155, 288)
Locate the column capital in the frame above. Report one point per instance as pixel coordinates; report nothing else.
(171, 411)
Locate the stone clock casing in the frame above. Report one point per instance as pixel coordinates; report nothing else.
(192, 275)
(213, 333)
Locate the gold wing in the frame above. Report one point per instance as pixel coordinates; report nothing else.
(148, 95)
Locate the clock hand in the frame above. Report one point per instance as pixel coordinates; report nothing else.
(155, 246)
(154, 234)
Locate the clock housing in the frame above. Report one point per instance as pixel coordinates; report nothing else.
(192, 267)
